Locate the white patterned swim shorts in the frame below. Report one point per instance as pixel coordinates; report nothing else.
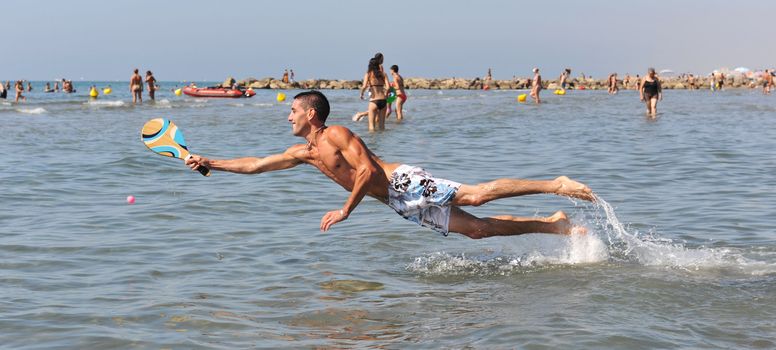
(419, 197)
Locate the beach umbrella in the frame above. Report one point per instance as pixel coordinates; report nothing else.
(666, 72)
(742, 70)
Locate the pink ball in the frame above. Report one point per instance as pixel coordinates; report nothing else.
(131, 199)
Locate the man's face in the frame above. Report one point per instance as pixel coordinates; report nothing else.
(299, 118)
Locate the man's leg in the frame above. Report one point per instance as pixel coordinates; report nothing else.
(503, 188)
(505, 225)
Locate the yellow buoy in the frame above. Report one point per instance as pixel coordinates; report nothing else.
(178, 92)
(107, 91)
(281, 97)
(93, 92)
(562, 92)
(521, 97)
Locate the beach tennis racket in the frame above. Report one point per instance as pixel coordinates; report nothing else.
(163, 137)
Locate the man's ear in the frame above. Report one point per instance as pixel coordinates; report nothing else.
(311, 113)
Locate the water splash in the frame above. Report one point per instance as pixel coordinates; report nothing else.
(650, 250)
(607, 240)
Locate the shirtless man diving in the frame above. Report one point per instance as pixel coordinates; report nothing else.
(410, 191)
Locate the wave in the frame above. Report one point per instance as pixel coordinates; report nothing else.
(607, 241)
(38, 110)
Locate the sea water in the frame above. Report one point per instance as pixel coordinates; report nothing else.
(680, 250)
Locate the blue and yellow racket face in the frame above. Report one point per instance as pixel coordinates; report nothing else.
(163, 137)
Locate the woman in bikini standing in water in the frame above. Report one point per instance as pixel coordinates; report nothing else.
(650, 91)
(377, 82)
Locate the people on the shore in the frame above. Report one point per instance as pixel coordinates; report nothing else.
(291, 76)
(650, 91)
(376, 81)
(718, 80)
(136, 87)
(767, 81)
(285, 76)
(691, 82)
(19, 87)
(563, 79)
(612, 82)
(536, 86)
(401, 95)
(411, 191)
(151, 82)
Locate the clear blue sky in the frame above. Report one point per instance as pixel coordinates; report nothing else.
(210, 40)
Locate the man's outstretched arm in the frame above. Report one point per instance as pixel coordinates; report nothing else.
(249, 165)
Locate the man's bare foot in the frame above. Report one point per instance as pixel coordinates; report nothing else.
(571, 188)
(562, 225)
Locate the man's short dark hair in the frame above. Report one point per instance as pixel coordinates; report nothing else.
(315, 100)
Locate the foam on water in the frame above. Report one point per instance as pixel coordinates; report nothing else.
(531, 253)
(607, 240)
(39, 110)
(97, 103)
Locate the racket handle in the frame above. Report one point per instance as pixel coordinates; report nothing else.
(203, 170)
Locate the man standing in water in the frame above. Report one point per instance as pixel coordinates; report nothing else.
(536, 86)
(767, 82)
(136, 87)
(564, 76)
(410, 191)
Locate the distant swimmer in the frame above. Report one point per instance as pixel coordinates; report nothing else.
(411, 191)
(3, 91)
(401, 95)
(767, 81)
(136, 87)
(376, 82)
(650, 91)
(19, 87)
(612, 80)
(536, 86)
(151, 82)
(29, 86)
(56, 86)
(563, 79)
(47, 88)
